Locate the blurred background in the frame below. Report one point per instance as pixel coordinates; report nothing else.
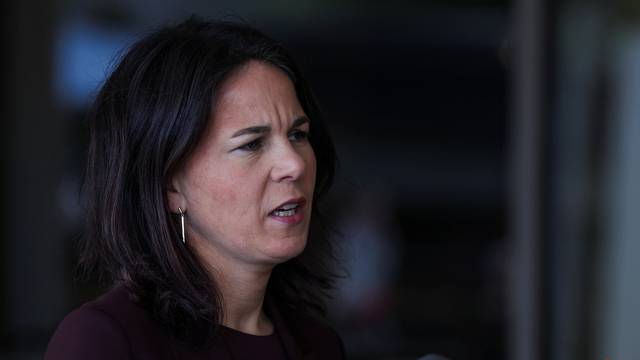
(489, 187)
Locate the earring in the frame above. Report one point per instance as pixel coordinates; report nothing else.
(182, 225)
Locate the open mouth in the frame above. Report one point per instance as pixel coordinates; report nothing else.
(286, 210)
(290, 212)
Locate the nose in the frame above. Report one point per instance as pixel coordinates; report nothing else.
(288, 164)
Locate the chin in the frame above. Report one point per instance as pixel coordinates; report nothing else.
(286, 250)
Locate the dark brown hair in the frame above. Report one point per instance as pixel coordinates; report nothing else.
(146, 120)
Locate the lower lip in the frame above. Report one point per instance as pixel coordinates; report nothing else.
(291, 220)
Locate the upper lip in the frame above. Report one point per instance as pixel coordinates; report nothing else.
(300, 201)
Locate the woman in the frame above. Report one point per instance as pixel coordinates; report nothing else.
(206, 162)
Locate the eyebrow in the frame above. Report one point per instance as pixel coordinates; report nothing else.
(265, 129)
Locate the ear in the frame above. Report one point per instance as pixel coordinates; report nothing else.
(175, 197)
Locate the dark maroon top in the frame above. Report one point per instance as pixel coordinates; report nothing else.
(246, 346)
(116, 327)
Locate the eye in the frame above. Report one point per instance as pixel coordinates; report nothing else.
(251, 146)
(298, 135)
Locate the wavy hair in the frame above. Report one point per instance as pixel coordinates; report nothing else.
(145, 122)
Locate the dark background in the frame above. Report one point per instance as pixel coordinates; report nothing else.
(482, 158)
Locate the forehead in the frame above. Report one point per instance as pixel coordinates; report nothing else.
(255, 94)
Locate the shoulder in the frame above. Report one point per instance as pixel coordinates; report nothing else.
(111, 327)
(88, 333)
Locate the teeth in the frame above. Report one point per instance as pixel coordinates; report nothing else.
(288, 206)
(284, 212)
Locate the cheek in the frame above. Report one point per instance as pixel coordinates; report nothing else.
(236, 193)
(224, 209)
(211, 191)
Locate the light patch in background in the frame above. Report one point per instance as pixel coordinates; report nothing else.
(84, 56)
(620, 297)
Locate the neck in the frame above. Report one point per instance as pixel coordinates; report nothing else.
(243, 290)
(243, 297)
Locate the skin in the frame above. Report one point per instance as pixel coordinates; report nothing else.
(236, 178)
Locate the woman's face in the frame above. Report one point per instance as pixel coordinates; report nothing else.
(248, 187)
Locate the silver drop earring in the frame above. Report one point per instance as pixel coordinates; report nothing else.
(184, 241)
